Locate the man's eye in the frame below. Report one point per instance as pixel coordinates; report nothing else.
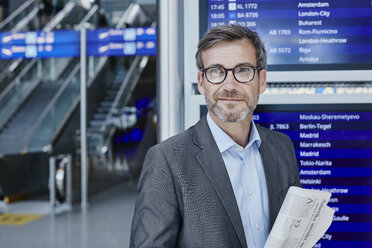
(216, 71)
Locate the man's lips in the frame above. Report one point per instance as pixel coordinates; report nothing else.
(230, 99)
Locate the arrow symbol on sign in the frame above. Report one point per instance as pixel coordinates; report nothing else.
(103, 49)
(101, 36)
(7, 52)
(150, 31)
(6, 39)
(150, 44)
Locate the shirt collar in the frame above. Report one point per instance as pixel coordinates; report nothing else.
(224, 141)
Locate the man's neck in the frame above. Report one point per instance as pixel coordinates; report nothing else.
(238, 131)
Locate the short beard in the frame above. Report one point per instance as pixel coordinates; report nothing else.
(225, 116)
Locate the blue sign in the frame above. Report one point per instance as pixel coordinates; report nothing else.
(121, 35)
(144, 48)
(66, 43)
(40, 51)
(40, 38)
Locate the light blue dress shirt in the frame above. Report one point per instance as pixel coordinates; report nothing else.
(245, 169)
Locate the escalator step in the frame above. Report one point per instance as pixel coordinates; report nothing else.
(103, 110)
(96, 123)
(106, 103)
(99, 116)
(109, 99)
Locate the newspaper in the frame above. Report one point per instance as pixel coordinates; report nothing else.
(302, 220)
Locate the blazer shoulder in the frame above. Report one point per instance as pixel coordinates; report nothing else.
(179, 141)
(184, 136)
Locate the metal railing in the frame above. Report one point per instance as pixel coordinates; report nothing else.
(14, 18)
(24, 23)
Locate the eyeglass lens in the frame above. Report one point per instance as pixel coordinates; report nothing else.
(242, 74)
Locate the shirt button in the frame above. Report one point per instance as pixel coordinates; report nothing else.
(258, 226)
(245, 162)
(250, 193)
(237, 149)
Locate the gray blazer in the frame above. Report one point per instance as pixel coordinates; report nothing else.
(185, 195)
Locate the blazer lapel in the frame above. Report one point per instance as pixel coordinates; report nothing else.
(267, 151)
(212, 163)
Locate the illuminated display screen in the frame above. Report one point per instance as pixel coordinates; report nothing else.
(333, 34)
(333, 144)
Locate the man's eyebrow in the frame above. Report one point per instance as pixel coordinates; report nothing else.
(240, 64)
(215, 65)
(244, 64)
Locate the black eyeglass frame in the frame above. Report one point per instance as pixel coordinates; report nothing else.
(255, 68)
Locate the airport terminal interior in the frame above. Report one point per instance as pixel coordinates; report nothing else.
(40, 127)
(88, 86)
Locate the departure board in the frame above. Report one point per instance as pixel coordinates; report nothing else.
(333, 34)
(333, 146)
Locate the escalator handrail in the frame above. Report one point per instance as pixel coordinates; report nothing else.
(59, 17)
(48, 108)
(16, 13)
(129, 15)
(19, 76)
(90, 14)
(23, 23)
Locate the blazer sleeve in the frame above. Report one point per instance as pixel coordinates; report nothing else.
(156, 219)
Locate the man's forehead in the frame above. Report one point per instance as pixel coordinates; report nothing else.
(237, 51)
(242, 41)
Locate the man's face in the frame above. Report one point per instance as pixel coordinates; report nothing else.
(231, 101)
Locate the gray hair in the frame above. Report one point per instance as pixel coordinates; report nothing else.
(230, 33)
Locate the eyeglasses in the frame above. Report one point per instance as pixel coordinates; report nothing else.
(242, 73)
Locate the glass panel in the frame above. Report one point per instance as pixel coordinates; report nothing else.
(58, 110)
(15, 94)
(17, 15)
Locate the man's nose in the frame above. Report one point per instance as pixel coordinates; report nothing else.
(230, 82)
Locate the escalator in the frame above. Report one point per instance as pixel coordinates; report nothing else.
(25, 99)
(45, 110)
(23, 105)
(109, 88)
(13, 135)
(116, 92)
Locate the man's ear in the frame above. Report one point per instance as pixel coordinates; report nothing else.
(200, 83)
(262, 81)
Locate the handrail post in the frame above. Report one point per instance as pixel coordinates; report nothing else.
(52, 189)
(83, 119)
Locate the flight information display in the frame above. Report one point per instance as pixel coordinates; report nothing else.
(322, 34)
(333, 146)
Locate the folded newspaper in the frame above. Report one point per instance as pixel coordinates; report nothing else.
(302, 220)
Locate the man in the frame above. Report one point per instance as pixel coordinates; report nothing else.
(220, 183)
